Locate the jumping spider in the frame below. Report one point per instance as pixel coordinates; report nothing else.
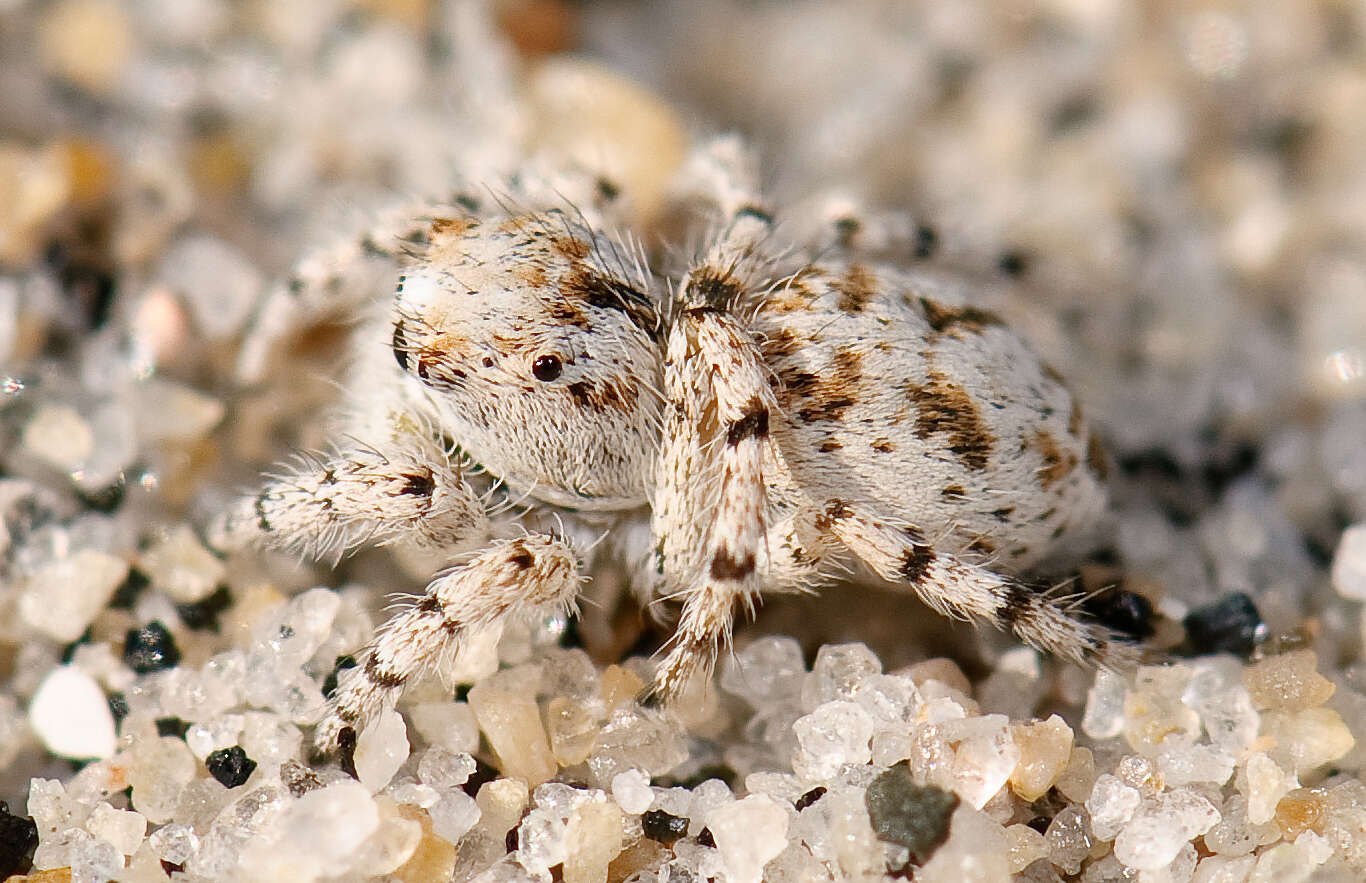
(764, 419)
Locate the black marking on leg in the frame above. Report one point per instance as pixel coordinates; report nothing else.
(713, 288)
(428, 605)
(725, 566)
(400, 344)
(387, 680)
(916, 562)
(521, 559)
(261, 520)
(1019, 600)
(419, 485)
(754, 424)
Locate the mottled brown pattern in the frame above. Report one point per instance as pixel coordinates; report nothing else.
(954, 320)
(829, 445)
(826, 408)
(945, 408)
(780, 345)
(602, 396)
(586, 286)
(1057, 463)
(883, 446)
(453, 226)
(856, 289)
(953, 492)
(796, 382)
(835, 510)
(982, 546)
(1076, 424)
(571, 246)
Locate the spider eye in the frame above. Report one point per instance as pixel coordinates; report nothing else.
(546, 368)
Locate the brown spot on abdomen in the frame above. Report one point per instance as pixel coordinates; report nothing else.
(856, 288)
(945, 409)
(1057, 463)
(952, 320)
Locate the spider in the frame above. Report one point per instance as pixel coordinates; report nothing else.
(773, 413)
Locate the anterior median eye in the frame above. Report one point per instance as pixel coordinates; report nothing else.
(546, 368)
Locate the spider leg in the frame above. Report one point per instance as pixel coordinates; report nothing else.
(359, 495)
(528, 574)
(960, 589)
(720, 402)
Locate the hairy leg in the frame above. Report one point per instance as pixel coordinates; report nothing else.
(960, 589)
(529, 574)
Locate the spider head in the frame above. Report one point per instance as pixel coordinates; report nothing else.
(537, 342)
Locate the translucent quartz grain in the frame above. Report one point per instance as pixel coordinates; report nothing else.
(1292, 862)
(1188, 764)
(1078, 776)
(984, 761)
(1156, 718)
(58, 436)
(381, 749)
(122, 828)
(1160, 829)
(1068, 840)
(1111, 804)
(391, 844)
(512, 724)
(631, 790)
(451, 725)
(179, 565)
(1288, 682)
(620, 686)
(636, 738)
(1024, 846)
(1104, 714)
(767, 669)
(444, 769)
(1224, 869)
(593, 837)
(63, 597)
(832, 735)
(501, 803)
(749, 833)
(157, 770)
(1306, 740)
(975, 850)
(1045, 748)
(434, 856)
(454, 814)
(572, 730)
(837, 673)
(1300, 810)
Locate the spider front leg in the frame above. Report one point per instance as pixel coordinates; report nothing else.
(529, 574)
(410, 492)
(719, 405)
